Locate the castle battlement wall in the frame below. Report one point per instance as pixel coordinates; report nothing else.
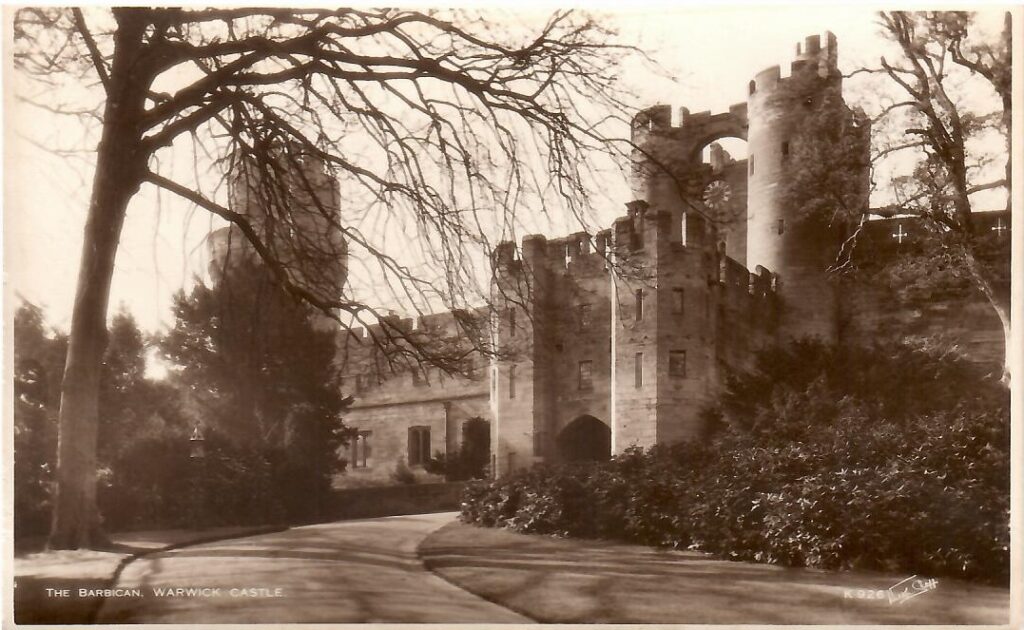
(622, 337)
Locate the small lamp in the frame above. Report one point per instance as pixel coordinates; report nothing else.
(197, 446)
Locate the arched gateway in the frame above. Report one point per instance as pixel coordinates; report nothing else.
(585, 439)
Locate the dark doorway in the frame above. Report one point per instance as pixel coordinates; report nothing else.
(476, 446)
(586, 439)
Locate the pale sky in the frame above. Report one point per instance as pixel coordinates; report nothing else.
(713, 53)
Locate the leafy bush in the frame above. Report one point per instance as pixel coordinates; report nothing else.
(814, 467)
(471, 460)
(402, 474)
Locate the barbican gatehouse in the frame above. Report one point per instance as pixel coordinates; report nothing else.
(621, 338)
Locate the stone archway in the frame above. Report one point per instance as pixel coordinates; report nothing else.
(585, 439)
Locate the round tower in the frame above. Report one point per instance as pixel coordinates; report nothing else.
(778, 238)
(304, 237)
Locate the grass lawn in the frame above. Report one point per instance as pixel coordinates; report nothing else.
(586, 581)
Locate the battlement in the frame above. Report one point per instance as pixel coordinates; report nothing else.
(737, 279)
(812, 60)
(702, 127)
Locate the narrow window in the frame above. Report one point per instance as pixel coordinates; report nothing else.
(584, 316)
(785, 149)
(638, 370)
(511, 381)
(512, 322)
(419, 445)
(780, 226)
(586, 375)
(638, 309)
(677, 363)
(678, 301)
(359, 449)
(751, 87)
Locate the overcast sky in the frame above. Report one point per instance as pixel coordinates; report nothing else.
(713, 53)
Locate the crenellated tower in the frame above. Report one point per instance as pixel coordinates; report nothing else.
(293, 207)
(795, 247)
(670, 174)
(521, 386)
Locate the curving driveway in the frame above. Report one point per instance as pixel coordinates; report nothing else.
(352, 571)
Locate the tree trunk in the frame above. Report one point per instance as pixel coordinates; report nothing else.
(119, 168)
(1000, 304)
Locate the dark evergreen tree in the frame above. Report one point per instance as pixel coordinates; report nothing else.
(260, 367)
(38, 365)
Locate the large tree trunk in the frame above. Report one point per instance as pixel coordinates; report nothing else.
(119, 168)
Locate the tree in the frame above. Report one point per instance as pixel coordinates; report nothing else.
(123, 395)
(944, 76)
(429, 116)
(262, 370)
(945, 125)
(941, 125)
(38, 363)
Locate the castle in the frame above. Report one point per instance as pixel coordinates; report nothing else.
(621, 338)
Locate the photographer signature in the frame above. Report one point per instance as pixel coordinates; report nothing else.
(897, 593)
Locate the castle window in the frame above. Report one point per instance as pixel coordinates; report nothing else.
(419, 445)
(638, 370)
(359, 449)
(780, 226)
(751, 86)
(678, 300)
(785, 149)
(584, 316)
(638, 309)
(511, 381)
(512, 322)
(677, 363)
(586, 375)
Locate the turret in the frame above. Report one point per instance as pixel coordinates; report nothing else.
(795, 249)
(305, 236)
(520, 371)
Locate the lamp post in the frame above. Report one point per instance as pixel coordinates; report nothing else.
(196, 455)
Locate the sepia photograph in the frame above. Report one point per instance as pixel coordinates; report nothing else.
(512, 314)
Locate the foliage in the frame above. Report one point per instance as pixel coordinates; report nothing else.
(402, 474)
(38, 360)
(423, 115)
(831, 187)
(471, 461)
(141, 428)
(866, 459)
(262, 374)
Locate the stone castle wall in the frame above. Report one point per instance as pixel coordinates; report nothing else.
(635, 327)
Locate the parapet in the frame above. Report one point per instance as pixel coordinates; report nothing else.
(811, 60)
(695, 130)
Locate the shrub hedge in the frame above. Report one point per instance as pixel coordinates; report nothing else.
(819, 475)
